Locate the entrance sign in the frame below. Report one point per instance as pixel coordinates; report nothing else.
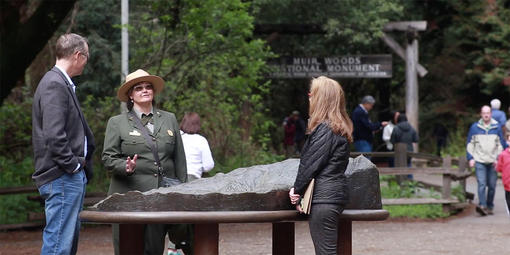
(355, 66)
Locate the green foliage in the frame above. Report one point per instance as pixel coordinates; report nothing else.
(456, 146)
(16, 128)
(393, 190)
(16, 164)
(409, 189)
(97, 112)
(465, 50)
(482, 31)
(14, 208)
(416, 211)
(211, 64)
(98, 21)
(16, 173)
(459, 193)
(350, 22)
(247, 156)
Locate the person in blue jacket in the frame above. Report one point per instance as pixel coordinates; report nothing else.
(497, 114)
(363, 127)
(484, 143)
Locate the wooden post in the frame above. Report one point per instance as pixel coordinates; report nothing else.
(447, 183)
(131, 238)
(206, 239)
(447, 180)
(412, 79)
(401, 53)
(283, 238)
(400, 159)
(344, 243)
(462, 169)
(411, 58)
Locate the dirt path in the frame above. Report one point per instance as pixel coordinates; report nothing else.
(467, 233)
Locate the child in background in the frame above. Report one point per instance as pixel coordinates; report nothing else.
(503, 167)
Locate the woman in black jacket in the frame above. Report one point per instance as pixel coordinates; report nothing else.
(325, 156)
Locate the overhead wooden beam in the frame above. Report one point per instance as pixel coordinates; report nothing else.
(401, 53)
(405, 25)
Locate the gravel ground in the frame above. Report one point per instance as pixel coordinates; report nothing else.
(466, 233)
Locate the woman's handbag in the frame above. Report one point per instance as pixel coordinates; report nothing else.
(306, 200)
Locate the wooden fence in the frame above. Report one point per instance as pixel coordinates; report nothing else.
(35, 220)
(451, 169)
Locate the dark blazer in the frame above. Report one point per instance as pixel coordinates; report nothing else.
(123, 139)
(363, 127)
(324, 157)
(58, 130)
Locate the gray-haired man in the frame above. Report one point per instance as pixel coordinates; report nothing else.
(363, 127)
(63, 146)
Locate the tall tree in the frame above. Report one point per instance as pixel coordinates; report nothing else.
(205, 51)
(25, 28)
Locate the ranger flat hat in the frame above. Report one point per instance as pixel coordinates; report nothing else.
(136, 77)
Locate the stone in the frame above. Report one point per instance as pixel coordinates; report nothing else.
(255, 188)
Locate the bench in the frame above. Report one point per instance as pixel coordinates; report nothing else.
(207, 222)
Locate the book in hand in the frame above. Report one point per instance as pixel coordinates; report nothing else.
(306, 200)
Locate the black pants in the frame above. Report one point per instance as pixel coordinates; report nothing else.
(154, 238)
(324, 227)
(507, 198)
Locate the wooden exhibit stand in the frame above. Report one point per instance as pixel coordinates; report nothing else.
(207, 222)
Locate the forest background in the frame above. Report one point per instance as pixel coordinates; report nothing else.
(213, 54)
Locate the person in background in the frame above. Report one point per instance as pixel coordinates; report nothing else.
(484, 143)
(128, 154)
(299, 135)
(63, 146)
(503, 166)
(363, 127)
(497, 114)
(441, 134)
(404, 133)
(198, 154)
(386, 136)
(506, 129)
(325, 157)
(289, 127)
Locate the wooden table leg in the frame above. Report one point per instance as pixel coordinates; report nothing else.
(283, 238)
(206, 239)
(131, 238)
(344, 237)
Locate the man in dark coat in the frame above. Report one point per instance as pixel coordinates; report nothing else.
(363, 127)
(63, 146)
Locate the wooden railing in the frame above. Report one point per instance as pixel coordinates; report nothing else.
(37, 219)
(451, 169)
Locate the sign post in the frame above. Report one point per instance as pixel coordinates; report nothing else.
(412, 66)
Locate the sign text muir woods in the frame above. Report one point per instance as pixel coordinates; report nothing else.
(355, 66)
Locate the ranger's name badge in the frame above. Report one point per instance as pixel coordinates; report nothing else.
(134, 133)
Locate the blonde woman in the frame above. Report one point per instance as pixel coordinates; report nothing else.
(324, 157)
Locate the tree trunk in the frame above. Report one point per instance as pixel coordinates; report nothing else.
(22, 39)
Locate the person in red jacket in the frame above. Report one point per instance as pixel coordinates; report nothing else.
(503, 167)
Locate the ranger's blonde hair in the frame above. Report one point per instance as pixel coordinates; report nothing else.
(327, 104)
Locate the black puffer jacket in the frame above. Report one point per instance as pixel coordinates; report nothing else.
(324, 157)
(404, 133)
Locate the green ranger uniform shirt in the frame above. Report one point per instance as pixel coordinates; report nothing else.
(123, 139)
